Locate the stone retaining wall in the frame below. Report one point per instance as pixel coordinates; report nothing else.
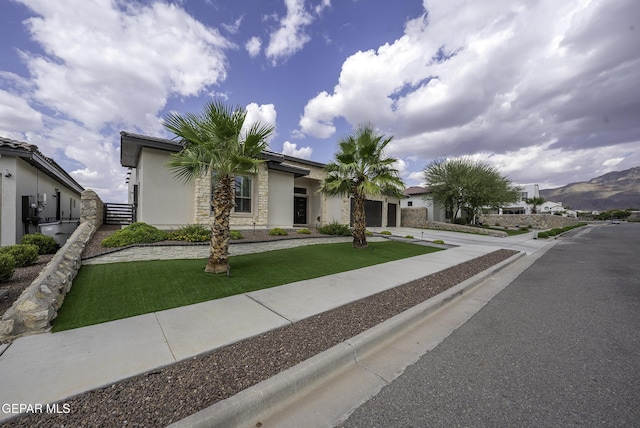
(536, 221)
(38, 304)
(414, 217)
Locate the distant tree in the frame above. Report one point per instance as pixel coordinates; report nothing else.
(216, 146)
(535, 202)
(459, 183)
(361, 169)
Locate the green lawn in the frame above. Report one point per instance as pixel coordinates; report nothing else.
(108, 292)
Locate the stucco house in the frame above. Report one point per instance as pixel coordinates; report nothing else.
(34, 189)
(420, 197)
(283, 193)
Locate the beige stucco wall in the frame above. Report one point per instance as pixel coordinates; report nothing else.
(163, 200)
(280, 199)
(29, 181)
(8, 209)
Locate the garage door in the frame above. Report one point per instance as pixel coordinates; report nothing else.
(372, 212)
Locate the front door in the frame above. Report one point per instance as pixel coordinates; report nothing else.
(299, 210)
(391, 215)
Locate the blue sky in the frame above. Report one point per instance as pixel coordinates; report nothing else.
(546, 91)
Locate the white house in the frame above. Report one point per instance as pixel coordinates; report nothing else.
(283, 193)
(33, 189)
(420, 197)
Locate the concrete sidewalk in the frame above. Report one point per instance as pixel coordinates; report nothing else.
(50, 367)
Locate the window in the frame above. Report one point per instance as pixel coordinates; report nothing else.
(243, 194)
(524, 196)
(409, 203)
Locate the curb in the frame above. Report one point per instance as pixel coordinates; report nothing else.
(252, 404)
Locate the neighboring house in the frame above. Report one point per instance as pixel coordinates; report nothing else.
(521, 206)
(420, 197)
(34, 189)
(283, 193)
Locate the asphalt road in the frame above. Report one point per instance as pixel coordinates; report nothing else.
(560, 346)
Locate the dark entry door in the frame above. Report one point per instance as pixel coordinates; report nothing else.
(391, 215)
(299, 210)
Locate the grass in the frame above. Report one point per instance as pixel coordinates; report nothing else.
(113, 291)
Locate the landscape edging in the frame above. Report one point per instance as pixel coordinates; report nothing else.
(38, 304)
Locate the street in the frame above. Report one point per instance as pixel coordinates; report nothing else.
(560, 346)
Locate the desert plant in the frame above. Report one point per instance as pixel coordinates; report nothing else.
(385, 232)
(362, 169)
(304, 231)
(438, 241)
(7, 266)
(218, 142)
(136, 233)
(191, 233)
(409, 237)
(23, 254)
(276, 231)
(235, 234)
(45, 244)
(335, 228)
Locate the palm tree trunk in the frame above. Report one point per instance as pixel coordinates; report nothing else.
(223, 201)
(359, 223)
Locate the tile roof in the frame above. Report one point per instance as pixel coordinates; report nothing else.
(31, 154)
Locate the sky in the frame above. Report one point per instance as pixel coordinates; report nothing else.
(546, 91)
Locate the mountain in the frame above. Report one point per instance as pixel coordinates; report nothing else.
(614, 190)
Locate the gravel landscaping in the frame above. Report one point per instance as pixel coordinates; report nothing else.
(171, 393)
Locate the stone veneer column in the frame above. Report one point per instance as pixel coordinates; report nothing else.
(202, 200)
(91, 208)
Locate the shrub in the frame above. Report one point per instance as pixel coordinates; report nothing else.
(438, 241)
(136, 233)
(385, 232)
(276, 231)
(368, 233)
(191, 233)
(23, 254)
(45, 244)
(304, 231)
(409, 237)
(7, 266)
(335, 228)
(543, 235)
(235, 234)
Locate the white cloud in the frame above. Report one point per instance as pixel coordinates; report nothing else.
(291, 149)
(106, 65)
(233, 28)
(542, 83)
(322, 6)
(290, 37)
(17, 116)
(253, 46)
(265, 114)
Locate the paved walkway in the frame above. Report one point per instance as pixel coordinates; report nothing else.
(53, 366)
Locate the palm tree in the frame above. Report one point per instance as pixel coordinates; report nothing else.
(216, 145)
(360, 168)
(535, 202)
